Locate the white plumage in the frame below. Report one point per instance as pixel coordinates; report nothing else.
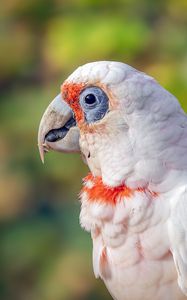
(140, 243)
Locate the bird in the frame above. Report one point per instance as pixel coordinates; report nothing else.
(132, 134)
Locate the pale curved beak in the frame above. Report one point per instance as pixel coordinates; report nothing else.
(57, 129)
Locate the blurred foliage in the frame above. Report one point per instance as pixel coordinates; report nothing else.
(44, 255)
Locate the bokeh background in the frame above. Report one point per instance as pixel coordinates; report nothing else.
(44, 255)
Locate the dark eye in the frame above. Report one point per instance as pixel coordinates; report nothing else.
(90, 99)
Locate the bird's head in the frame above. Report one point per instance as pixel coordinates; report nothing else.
(112, 114)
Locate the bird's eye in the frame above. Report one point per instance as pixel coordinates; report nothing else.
(90, 99)
(94, 103)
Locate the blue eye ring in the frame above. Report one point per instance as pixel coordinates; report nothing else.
(94, 103)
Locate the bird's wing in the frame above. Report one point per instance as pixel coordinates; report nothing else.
(177, 226)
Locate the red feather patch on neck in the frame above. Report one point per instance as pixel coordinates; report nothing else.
(97, 191)
(70, 93)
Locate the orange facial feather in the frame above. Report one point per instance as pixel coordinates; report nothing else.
(97, 191)
(70, 93)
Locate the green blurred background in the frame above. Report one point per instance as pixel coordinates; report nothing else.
(44, 255)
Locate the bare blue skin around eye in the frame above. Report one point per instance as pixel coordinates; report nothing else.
(95, 111)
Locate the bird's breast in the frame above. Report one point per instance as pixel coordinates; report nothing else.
(118, 213)
(130, 241)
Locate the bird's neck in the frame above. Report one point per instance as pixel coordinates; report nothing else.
(97, 191)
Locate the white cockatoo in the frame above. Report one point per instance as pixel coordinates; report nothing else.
(132, 133)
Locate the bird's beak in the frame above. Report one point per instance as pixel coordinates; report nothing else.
(58, 130)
